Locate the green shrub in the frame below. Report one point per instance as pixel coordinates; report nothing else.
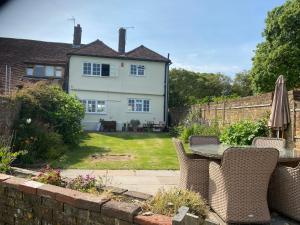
(49, 104)
(168, 202)
(243, 132)
(7, 156)
(199, 129)
(40, 141)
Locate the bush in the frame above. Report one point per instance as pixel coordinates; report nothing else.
(49, 176)
(7, 156)
(40, 141)
(83, 184)
(199, 129)
(168, 202)
(49, 104)
(243, 132)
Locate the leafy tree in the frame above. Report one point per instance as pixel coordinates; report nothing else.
(187, 87)
(242, 84)
(280, 52)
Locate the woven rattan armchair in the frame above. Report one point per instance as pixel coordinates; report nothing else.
(238, 187)
(203, 140)
(266, 142)
(284, 191)
(193, 171)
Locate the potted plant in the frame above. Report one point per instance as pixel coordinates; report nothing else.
(134, 124)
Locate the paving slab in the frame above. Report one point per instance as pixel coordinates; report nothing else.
(147, 181)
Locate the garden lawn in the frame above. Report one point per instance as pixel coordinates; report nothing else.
(140, 151)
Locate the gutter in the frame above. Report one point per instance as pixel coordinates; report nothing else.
(166, 91)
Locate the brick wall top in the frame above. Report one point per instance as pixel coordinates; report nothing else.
(65, 206)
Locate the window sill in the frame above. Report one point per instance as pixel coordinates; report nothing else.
(44, 77)
(139, 112)
(95, 113)
(97, 76)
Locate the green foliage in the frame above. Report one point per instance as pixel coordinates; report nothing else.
(199, 129)
(7, 156)
(242, 84)
(48, 175)
(187, 87)
(40, 141)
(280, 52)
(243, 132)
(49, 104)
(168, 202)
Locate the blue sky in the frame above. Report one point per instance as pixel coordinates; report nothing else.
(201, 35)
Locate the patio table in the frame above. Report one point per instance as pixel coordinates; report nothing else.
(215, 152)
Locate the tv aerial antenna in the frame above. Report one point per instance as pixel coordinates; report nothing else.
(72, 19)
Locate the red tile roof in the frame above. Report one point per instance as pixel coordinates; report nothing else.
(145, 53)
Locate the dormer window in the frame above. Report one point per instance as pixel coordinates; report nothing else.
(44, 71)
(137, 70)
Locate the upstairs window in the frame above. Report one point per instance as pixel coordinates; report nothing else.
(138, 105)
(137, 70)
(44, 71)
(96, 69)
(87, 68)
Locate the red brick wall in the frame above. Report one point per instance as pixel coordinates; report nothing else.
(30, 202)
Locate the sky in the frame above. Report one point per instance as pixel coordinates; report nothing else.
(202, 35)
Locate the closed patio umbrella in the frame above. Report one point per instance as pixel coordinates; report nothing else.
(280, 112)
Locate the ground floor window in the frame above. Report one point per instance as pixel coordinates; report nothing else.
(138, 105)
(94, 106)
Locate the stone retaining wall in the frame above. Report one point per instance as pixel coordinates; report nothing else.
(29, 202)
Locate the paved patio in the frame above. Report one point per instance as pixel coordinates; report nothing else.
(146, 181)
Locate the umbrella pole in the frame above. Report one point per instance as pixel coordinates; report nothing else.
(278, 133)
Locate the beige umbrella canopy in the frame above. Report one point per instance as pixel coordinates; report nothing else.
(280, 112)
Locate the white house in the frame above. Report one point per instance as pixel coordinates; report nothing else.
(117, 85)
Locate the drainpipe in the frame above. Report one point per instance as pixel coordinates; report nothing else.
(166, 91)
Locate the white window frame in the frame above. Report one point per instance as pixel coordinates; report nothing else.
(92, 70)
(54, 74)
(137, 67)
(135, 105)
(86, 107)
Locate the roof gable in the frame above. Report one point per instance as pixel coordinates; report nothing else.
(145, 53)
(96, 48)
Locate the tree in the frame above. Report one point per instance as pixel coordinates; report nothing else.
(188, 87)
(279, 54)
(242, 84)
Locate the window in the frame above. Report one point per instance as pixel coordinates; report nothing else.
(96, 69)
(44, 71)
(87, 68)
(105, 70)
(138, 105)
(49, 71)
(39, 71)
(137, 70)
(29, 71)
(140, 70)
(101, 107)
(94, 106)
(133, 69)
(58, 71)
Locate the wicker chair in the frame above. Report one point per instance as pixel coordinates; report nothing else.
(238, 187)
(265, 142)
(284, 191)
(203, 140)
(193, 171)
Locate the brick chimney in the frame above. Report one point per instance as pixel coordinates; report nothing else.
(122, 40)
(77, 36)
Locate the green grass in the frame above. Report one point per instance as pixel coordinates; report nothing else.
(148, 151)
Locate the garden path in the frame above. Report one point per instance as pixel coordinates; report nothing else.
(146, 181)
